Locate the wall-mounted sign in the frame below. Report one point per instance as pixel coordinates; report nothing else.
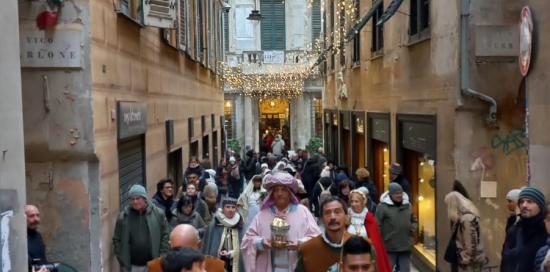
(132, 119)
(525, 40)
(61, 48)
(274, 57)
(381, 130)
(419, 137)
(496, 41)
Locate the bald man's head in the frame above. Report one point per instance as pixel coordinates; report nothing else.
(33, 216)
(185, 235)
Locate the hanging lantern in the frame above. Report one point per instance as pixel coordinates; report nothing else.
(46, 20)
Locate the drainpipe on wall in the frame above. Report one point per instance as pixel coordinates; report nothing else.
(465, 66)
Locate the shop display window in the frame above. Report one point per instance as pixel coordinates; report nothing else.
(425, 198)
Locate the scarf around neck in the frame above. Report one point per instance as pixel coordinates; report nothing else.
(227, 222)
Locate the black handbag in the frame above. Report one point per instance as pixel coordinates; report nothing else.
(451, 253)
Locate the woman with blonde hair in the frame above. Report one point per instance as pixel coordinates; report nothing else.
(363, 223)
(465, 249)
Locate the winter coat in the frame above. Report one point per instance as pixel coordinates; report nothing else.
(165, 205)
(397, 223)
(468, 242)
(541, 254)
(310, 173)
(277, 147)
(521, 244)
(159, 231)
(202, 209)
(193, 219)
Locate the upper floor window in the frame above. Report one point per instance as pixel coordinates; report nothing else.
(419, 24)
(273, 29)
(377, 31)
(357, 39)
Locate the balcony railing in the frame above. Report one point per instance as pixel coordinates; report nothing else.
(259, 60)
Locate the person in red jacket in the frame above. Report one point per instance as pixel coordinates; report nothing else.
(363, 223)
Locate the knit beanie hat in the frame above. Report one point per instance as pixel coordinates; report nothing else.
(534, 194)
(395, 169)
(395, 188)
(513, 195)
(137, 190)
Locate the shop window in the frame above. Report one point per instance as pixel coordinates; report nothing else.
(419, 19)
(426, 208)
(317, 117)
(228, 119)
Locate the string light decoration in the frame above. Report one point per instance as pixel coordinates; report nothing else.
(270, 80)
(287, 80)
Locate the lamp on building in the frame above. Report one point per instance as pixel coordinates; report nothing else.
(255, 14)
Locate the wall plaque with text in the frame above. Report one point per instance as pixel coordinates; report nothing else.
(59, 49)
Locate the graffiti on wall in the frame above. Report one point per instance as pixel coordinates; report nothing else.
(509, 143)
(5, 261)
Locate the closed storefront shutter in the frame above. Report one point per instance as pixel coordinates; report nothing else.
(131, 165)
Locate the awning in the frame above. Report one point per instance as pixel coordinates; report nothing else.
(389, 12)
(359, 25)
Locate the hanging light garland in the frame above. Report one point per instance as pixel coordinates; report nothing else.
(287, 80)
(270, 80)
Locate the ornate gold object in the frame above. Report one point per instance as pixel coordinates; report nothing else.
(279, 233)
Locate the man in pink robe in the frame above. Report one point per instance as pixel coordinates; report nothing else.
(258, 255)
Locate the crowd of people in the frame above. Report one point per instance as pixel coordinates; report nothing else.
(302, 213)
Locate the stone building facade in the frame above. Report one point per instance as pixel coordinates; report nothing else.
(119, 96)
(13, 246)
(437, 89)
(287, 29)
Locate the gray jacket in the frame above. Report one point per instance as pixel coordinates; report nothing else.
(397, 224)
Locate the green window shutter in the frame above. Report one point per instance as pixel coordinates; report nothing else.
(273, 26)
(182, 24)
(226, 31)
(315, 19)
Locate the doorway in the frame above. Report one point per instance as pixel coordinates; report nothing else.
(175, 167)
(274, 119)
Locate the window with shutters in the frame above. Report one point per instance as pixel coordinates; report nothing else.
(332, 32)
(377, 31)
(159, 13)
(315, 19)
(131, 9)
(199, 31)
(182, 24)
(156, 13)
(419, 19)
(273, 25)
(357, 38)
(342, 30)
(226, 31)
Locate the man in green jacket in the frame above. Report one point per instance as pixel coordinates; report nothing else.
(141, 232)
(397, 225)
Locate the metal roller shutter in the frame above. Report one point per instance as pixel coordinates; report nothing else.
(131, 166)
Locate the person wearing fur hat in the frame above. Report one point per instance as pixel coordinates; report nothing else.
(141, 232)
(281, 204)
(527, 235)
(223, 236)
(512, 206)
(397, 225)
(396, 175)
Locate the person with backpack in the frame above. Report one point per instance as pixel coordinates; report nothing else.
(323, 189)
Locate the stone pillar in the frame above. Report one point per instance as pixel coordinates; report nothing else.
(13, 255)
(248, 123)
(300, 121)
